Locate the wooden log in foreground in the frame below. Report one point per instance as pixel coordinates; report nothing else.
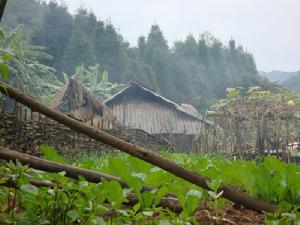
(54, 167)
(136, 151)
(2, 7)
(73, 172)
(166, 202)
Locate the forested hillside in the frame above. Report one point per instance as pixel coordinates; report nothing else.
(195, 70)
(293, 82)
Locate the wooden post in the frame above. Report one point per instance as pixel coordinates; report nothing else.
(3, 104)
(25, 114)
(31, 114)
(124, 112)
(15, 109)
(18, 113)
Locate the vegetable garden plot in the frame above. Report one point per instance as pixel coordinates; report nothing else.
(80, 202)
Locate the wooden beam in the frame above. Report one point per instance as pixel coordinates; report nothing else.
(213, 113)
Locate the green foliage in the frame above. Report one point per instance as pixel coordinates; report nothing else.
(54, 33)
(253, 94)
(20, 61)
(195, 70)
(74, 201)
(233, 92)
(292, 217)
(28, 188)
(114, 193)
(271, 180)
(96, 82)
(293, 82)
(50, 153)
(191, 202)
(5, 56)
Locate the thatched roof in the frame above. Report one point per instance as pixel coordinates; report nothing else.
(187, 110)
(77, 101)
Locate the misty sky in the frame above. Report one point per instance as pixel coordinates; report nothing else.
(269, 29)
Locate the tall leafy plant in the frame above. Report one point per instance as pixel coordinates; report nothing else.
(97, 81)
(22, 62)
(5, 56)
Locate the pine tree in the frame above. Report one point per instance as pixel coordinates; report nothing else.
(54, 34)
(80, 48)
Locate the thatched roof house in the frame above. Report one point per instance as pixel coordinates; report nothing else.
(136, 106)
(78, 102)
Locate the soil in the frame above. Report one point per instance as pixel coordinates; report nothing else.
(229, 214)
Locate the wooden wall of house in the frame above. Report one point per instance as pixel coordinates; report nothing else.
(154, 117)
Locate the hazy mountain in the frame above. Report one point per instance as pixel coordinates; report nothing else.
(293, 82)
(277, 76)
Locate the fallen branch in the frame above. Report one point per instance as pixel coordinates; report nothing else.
(165, 202)
(136, 151)
(73, 172)
(53, 167)
(38, 183)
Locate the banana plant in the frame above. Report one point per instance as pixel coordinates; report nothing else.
(20, 61)
(96, 81)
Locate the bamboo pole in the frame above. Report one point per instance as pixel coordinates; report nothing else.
(137, 151)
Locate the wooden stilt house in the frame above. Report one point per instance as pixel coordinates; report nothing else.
(138, 107)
